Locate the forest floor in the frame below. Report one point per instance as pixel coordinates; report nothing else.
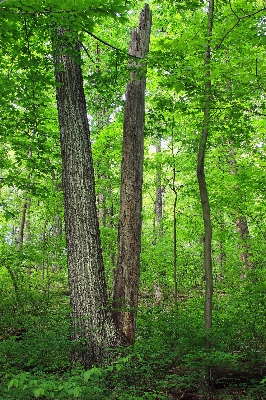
(168, 362)
(225, 384)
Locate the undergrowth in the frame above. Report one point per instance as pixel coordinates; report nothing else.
(169, 359)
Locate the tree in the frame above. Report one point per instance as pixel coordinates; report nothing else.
(158, 204)
(129, 239)
(93, 327)
(201, 175)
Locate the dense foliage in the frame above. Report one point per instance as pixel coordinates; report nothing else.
(169, 359)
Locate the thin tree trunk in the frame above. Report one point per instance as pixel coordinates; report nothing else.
(112, 226)
(173, 187)
(20, 239)
(202, 180)
(158, 207)
(129, 241)
(93, 328)
(203, 186)
(101, 203)
(158, 211)
(28, 222)
(25, 207)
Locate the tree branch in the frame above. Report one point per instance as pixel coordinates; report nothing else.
(104, 42)
(239, 19)
(109, 44)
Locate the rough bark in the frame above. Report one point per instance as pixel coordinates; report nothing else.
(129, 241)
(93, 328)
(202, 179)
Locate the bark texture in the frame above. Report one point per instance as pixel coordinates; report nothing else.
(202, 179)
(93, 328)
(129, 241)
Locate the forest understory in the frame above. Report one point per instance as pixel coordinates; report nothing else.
(169, 359)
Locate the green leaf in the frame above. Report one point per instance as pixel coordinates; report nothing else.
(93, 372)
(87, 375)
(178, 86)
(38, 392)
(14, 382)
(118, 367)
(76, 391)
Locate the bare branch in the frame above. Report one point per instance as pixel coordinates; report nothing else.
(110, 45)
(104, 42)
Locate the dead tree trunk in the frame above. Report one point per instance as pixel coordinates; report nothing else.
(129, 241)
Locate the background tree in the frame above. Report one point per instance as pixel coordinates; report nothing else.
(201, 174)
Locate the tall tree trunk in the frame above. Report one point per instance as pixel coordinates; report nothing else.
(203, 186)
(112, 225)
(129, 241)
(201, 176)
(24, 223)
(158, 211)
(20, 238)
(93, 327)
(158, 206)
(173, 187)
(101, 209)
